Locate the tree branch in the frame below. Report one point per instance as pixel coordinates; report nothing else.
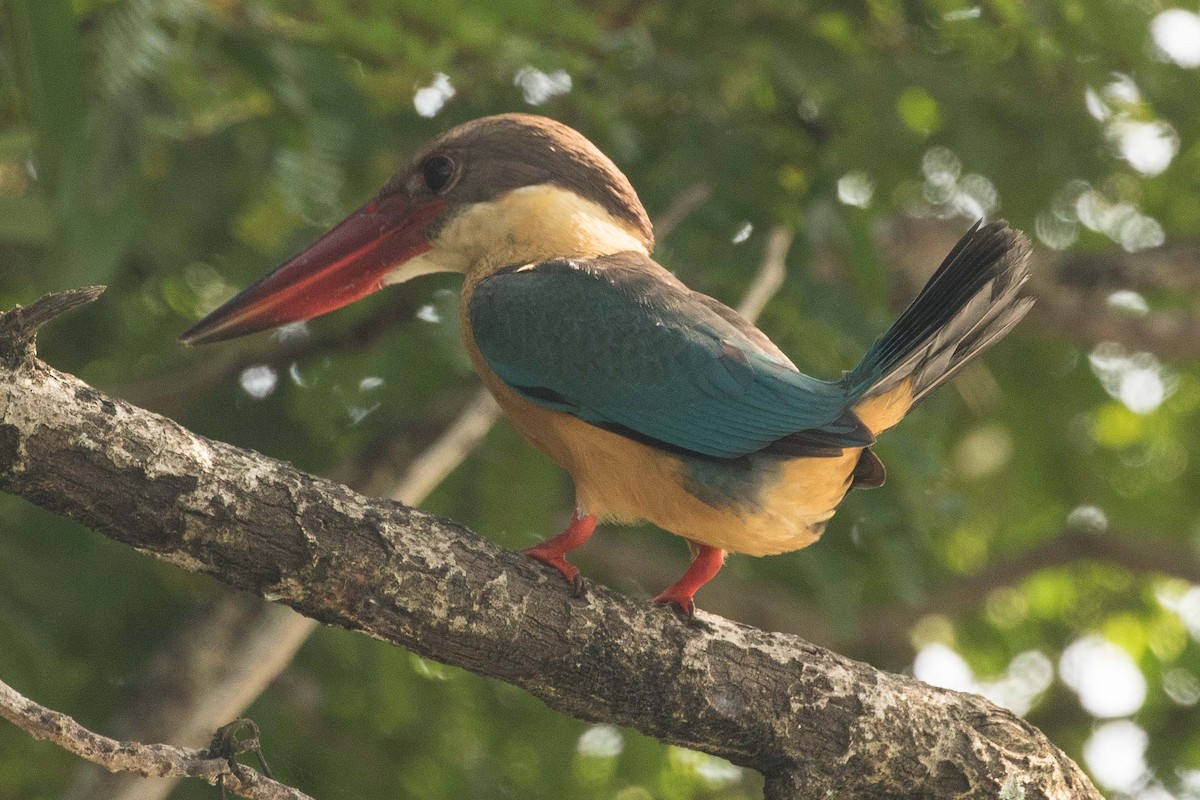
(681, 207)
(812, 721)
(771, 273)
(147, 760)
(19, 327)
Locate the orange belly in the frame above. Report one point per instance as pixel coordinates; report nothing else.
(620, 480)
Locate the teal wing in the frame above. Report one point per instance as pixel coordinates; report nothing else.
(620, 343)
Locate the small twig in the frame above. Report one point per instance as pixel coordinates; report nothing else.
(771, 273)
(148, 760)
(449, 450)
(228, 743)
(682, 207)
(19, 326)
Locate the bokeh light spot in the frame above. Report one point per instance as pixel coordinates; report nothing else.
(601, 741)
(856, 189)
(538, 87)
(1116, 755)
(1176, 32)
(1108, 682)
(259, 381)
(429, 100)
(1130, 302)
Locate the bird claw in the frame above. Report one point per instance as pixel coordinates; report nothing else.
(683, 606)
(556, 560)
(706, 562)
(553, 552)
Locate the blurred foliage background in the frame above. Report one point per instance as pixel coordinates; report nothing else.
(1036, 540)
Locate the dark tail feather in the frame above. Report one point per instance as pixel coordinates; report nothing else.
(969, 303)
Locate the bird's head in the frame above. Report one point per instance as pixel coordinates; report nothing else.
(502, 190)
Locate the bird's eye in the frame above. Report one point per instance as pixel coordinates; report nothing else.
(437, 172)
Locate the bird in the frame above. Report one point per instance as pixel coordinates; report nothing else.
(662, 404)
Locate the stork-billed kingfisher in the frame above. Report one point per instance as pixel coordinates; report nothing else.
(662, 403)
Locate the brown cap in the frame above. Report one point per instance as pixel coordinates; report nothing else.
(494, 155)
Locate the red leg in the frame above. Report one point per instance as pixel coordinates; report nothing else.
(705, 565)
(554, 551)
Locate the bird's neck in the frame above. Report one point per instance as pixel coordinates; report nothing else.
(529, 225)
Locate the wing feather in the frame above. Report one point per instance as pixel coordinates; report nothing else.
(619, 342)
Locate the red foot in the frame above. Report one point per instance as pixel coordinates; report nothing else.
(553, 552)
(705, 565)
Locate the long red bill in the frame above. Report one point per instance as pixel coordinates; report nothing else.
(346, 264)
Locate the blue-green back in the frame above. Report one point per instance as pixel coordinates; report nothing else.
(619, 342)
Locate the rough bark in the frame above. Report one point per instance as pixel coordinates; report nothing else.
(227, 654)
(815, 723)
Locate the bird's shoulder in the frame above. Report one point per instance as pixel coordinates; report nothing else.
(624, 289)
